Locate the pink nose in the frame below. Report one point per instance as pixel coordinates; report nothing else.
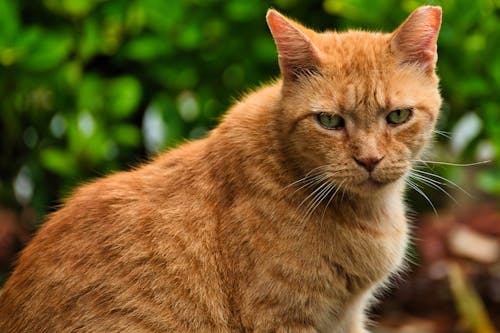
(369, 163)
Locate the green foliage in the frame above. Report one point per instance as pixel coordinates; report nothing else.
(91, 86)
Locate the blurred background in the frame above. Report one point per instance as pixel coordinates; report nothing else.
(88, 87)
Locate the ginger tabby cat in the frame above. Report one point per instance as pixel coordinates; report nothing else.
(286, 218)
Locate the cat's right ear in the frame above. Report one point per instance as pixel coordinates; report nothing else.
(297, 54)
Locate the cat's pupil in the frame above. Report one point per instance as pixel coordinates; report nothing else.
(330, 121)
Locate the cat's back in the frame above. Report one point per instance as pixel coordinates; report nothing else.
(108, 260)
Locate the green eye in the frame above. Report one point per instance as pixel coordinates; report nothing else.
(398, 117)
(330, 121)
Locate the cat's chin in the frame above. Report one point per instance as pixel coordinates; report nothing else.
(370, 186)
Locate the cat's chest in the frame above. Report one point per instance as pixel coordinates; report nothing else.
(358, 258)
(365, 252)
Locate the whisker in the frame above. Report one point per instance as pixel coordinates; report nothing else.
(433, 183)
(331, 198)
(453, 164)
(310, 182)
(426, 179)
(308, 176)
(321, 181)
(305, 214)
(318, 199)
(443, 133)
(444, 179)
(314, 193)
(313, 174)
(414, 173)
(418, 190)
(343, 190)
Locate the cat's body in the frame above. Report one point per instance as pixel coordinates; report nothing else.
(228, 233)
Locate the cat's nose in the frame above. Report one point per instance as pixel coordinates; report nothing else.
(369, 163)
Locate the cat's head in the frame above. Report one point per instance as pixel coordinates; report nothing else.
(359, 107)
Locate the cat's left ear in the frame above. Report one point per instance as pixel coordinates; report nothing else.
(415, 41)
(297, 54)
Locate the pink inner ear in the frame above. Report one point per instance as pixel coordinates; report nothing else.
(429, 46)
(296, 52)
(416, 38)
(283, 32)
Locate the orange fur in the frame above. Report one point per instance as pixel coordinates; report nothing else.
(267, 225)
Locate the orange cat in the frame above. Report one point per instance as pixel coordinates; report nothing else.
(286, 218)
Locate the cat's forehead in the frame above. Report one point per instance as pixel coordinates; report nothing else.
(359, 72)
(371, 91)
(354, 49)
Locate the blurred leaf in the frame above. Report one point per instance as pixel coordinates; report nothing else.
(491, 114)
(9, 21)
(21, 45)
(77, 8)
(74, 8)
(90, 93)
(40, 54)
(146, 48)
(90, 41)
(58, 161)
(495, 69)
(72, 73)
(174, 126)
(242, 10)
(368, 12)
(97, 148)
(264, 49)
(214, 30)
(489, 181)
(127, 135)
(124, 95)
(155, 14)
(135, 17)
(189, 36)
(112, 33)
(473, 86)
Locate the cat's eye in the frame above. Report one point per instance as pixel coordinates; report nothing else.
(330, 121)
(398, 117)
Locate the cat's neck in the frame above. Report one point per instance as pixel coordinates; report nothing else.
(247, 140)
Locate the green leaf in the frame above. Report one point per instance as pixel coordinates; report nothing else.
(264, 49)
(127, 135)
(58, 161)
(90, 95)
(124, 95)
(45, 53)
(155, 14)
(473, 85)
(72, 73)
(489, 181)
(77, 8)
(146, 48)
(189, 37)
(9, 21)
(90, 41)
(495, 69)
(135, 17)
(242, 10)
(20, 46)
